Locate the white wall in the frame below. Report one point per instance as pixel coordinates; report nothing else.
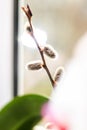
(6, 43)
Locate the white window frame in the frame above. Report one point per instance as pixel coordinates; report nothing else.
(6, 51)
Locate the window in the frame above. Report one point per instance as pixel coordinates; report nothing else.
(63, 22)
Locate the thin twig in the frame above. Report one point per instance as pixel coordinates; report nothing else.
(44, 62)
(29, 15)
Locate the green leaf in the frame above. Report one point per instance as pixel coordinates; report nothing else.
(22, 113)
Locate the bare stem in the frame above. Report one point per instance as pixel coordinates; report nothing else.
(44, 62)
(29, 15)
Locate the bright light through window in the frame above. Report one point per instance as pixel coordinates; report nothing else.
(27, 40)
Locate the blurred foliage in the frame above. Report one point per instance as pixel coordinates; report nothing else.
(22, 113)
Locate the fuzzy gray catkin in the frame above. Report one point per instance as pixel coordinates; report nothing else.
(49, 51)
(36, 65)
(58, 74)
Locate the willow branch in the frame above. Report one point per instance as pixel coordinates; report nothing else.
(28, 13)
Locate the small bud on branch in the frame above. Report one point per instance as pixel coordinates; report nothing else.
(58, 74)
(49, 51)
(36, 65)
(27, 11)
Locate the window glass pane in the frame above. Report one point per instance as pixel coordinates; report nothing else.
(64, 22)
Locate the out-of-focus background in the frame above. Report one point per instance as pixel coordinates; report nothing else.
(64, 21)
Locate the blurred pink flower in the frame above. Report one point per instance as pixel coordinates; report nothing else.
(67, 108)
(55, 122)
